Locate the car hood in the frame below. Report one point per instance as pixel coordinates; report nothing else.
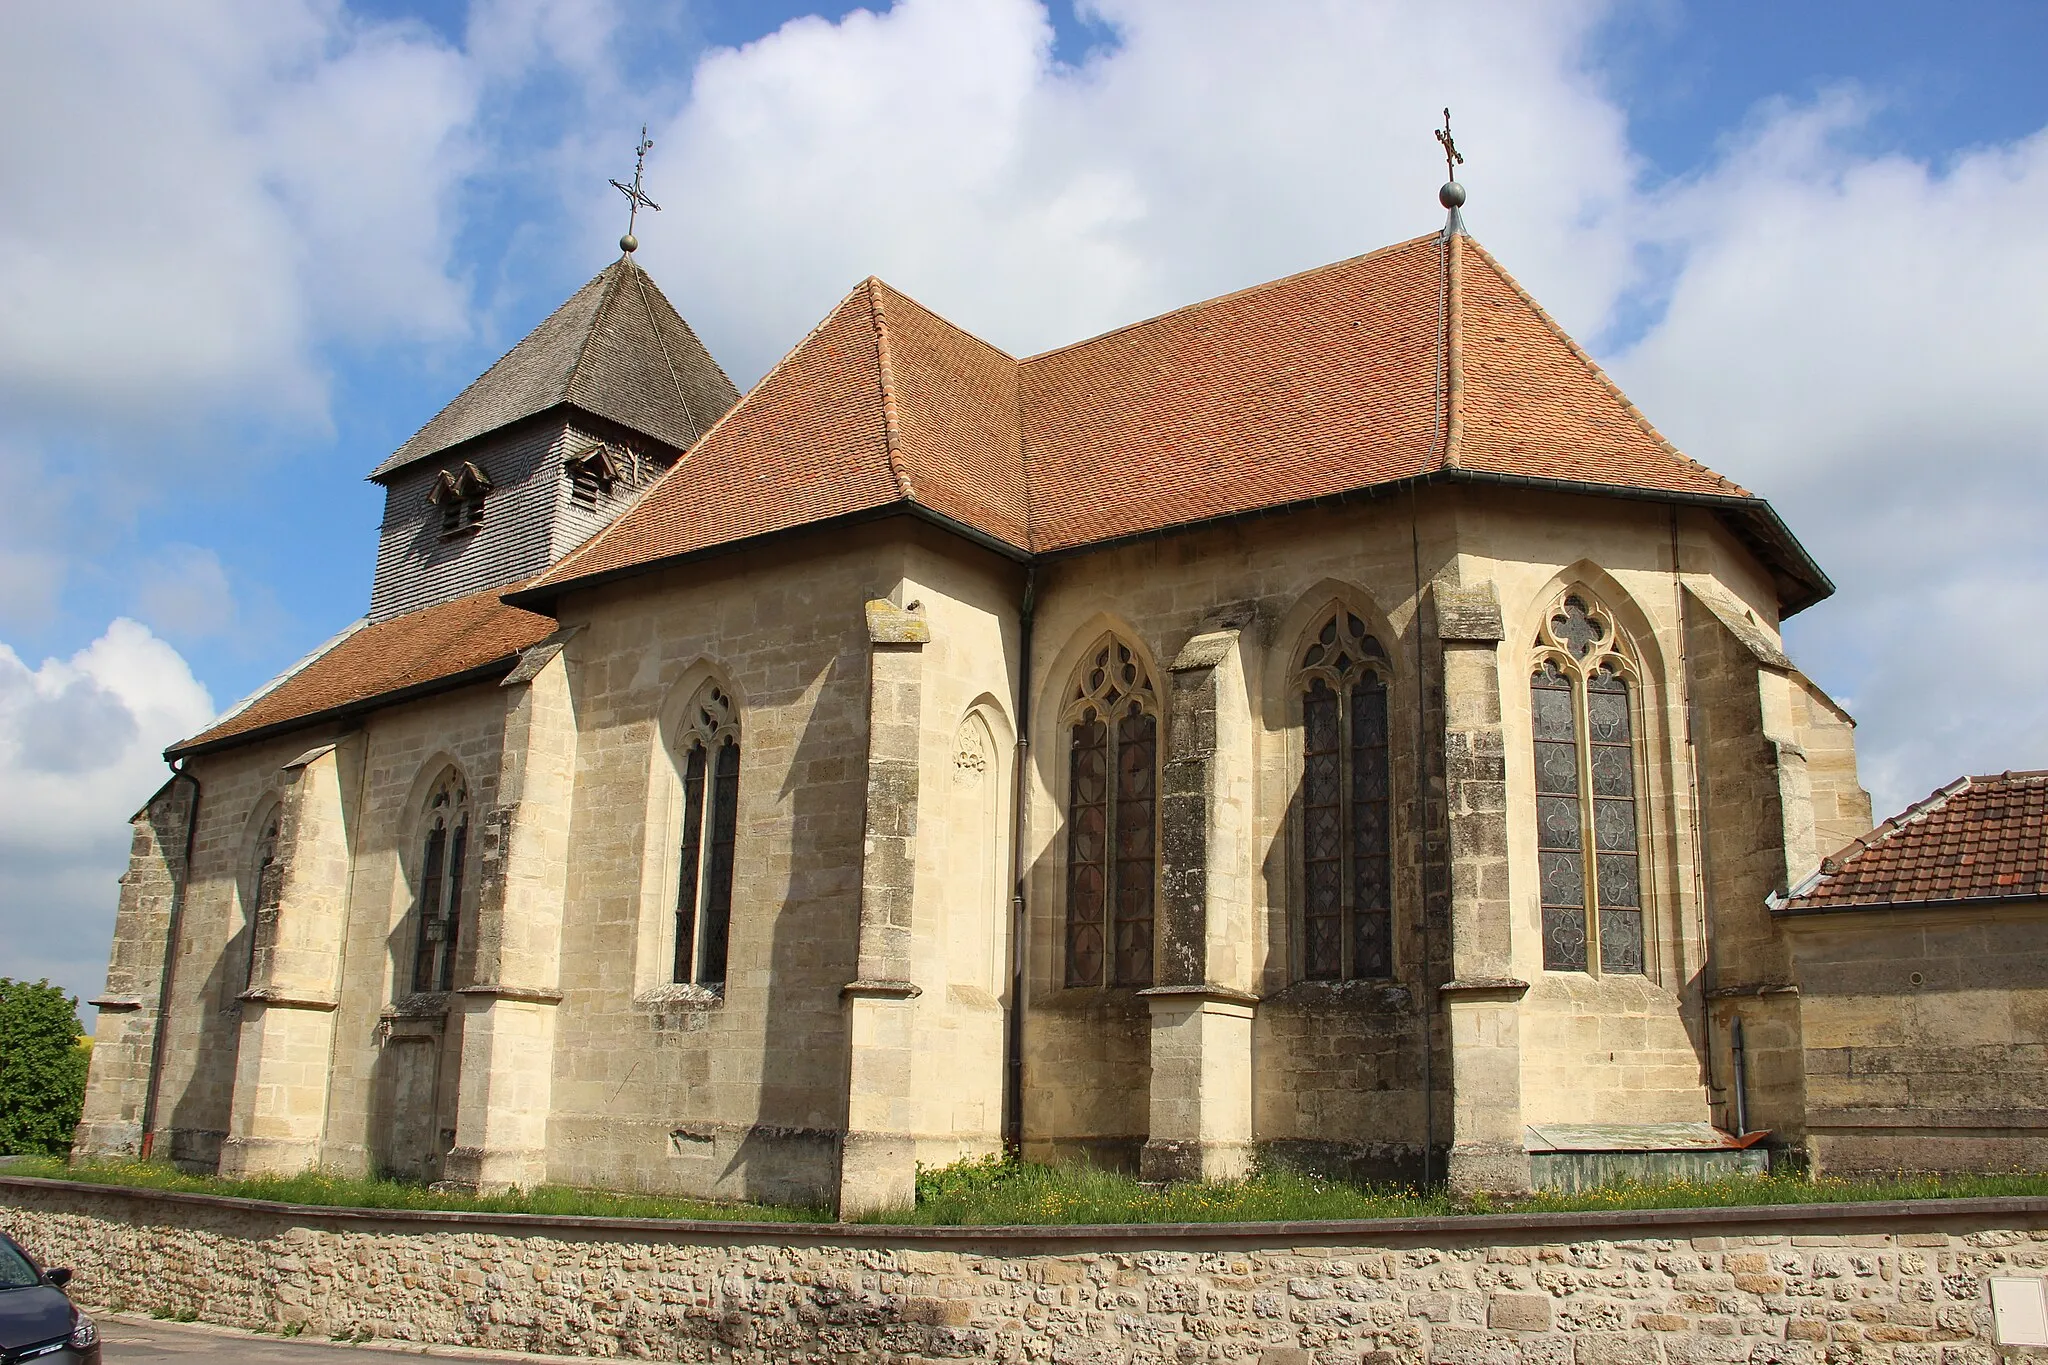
(31, 1315)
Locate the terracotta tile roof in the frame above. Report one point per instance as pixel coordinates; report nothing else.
(1421, 359)
(1977, 838)
(1311, 385)
(411, 651)
(1532, 402)
(617, 348)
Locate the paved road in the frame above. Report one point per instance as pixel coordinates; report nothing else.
(128, 1341)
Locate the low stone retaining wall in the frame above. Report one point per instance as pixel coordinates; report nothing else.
(1902, 1283)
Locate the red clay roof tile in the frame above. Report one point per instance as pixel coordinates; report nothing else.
(1326, 382)
(421, 647)
(1977, 838)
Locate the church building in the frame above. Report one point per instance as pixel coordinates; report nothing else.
(1327, 722)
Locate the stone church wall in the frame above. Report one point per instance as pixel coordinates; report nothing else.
(664, 1088)
(1338, 1069)
(1925, 1035)
(962, 916)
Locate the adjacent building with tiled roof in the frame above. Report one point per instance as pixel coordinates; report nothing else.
(1977, 839)
(934, 750)
(1920, 957)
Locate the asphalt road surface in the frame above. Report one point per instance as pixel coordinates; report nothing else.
(128, 1341)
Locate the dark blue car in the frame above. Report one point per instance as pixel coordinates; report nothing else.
(36, 1321)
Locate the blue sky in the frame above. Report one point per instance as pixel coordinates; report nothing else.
(247, 252)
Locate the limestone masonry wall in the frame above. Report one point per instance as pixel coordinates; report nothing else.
(1904, 1284)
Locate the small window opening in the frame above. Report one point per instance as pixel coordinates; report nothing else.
(460, 494)
(592, 475)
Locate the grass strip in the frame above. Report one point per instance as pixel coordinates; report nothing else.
(991, 1192)
(332, 1191)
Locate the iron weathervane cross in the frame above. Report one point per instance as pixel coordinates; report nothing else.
(637, 197)
(1453, 158)
(1452, 194)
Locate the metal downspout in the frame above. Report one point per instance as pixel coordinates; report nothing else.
(1020, 824)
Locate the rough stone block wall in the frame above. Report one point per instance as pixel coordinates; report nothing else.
(1893, 1285)
(1926, 1038)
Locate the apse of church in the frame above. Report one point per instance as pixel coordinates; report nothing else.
(1367, 750)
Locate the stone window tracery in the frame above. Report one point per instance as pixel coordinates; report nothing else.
(1582, 712)
(1112, 723)
(444, 858)
(708, 756)
(1346, 848)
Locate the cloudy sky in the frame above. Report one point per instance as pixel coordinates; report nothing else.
(248, 246)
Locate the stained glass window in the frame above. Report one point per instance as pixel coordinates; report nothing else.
(439, 906)
(263, 884)
(710, 745)
(1112, 820)
(1583, 729)
(1346, 821)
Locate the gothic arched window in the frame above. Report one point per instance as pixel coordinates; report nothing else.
(1583, 720)
(1347, 876)
(444, 858)
(1112, 722)
(260, 890)
(708, 757)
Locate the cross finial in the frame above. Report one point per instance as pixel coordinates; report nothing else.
(1453, 158)
(1452, 194)
(637, 197)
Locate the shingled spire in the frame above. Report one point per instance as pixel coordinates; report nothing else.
(549, 445)
(617, 349)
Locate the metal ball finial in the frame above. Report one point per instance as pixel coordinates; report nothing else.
(629, 243)
(1452, 195)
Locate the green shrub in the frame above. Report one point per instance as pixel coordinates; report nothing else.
(42, 1068)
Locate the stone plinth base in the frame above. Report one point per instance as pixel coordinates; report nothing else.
(1201, 1110)
(240, 1156)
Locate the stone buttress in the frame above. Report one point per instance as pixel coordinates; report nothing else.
(1202, 1006)
(284, 1058)
(1481, 1000)
(508, 1035)
(878, 1154)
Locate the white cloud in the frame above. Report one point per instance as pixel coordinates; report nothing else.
(81, 745)
(193, 196)
(941, 146)
(1862, 339)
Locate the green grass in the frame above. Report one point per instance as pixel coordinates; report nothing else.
(993, 1192)
(316, 1187)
